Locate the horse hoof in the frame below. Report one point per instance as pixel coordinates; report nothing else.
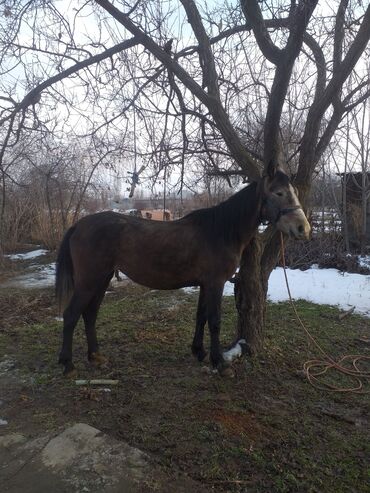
(98, 359)
(70, 373)
(201, 355)
(205, 358)
(226, 372)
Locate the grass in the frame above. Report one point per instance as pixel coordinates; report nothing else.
(267, 430)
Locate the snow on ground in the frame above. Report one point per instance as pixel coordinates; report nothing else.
(28, 255)
(41, 277)
(322, 286)
(364, 261)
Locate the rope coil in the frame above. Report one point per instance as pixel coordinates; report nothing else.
(315, 368)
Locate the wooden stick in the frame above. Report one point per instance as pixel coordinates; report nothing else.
(345, 314)
(101, 381)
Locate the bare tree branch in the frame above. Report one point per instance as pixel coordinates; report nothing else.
(284, 60)
(309, 155)
(209, 100)
(253, 16)
(33, 96)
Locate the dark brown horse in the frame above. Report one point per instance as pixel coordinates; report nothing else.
(201, 249)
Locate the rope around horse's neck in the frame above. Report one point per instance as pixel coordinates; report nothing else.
(315, 368)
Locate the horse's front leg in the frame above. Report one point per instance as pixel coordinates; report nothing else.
(213, 301)
(197, 346)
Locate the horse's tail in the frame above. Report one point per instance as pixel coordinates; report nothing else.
(64, 271)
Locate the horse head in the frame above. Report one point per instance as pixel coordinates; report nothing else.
(281, 206)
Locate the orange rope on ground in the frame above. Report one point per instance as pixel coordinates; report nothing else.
(315, 368)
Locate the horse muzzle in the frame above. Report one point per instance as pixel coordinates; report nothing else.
(294, 223)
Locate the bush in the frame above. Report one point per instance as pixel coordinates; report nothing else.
(327, 250)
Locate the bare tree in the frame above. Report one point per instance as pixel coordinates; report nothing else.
(327, 108)
(196, 80)
(47, 185)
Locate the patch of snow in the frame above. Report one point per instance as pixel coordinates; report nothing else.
(321, 286)
(3, 422)
(6, 364)
(229, 289)
(235, 352)
(364, 261)
(42, 277)
(190, 289)
(28, 255)
(122, 276)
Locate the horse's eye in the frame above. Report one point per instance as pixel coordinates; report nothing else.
(279, 194)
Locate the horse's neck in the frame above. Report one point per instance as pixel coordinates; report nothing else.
(244, 212)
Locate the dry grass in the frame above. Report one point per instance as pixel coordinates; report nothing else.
(267, 430)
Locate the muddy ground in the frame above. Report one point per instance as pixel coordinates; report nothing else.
(266, 430)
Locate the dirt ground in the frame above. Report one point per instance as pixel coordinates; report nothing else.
(266, 430)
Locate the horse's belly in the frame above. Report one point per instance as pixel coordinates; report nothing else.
(173, 268)
(159, 281)
(156, 276)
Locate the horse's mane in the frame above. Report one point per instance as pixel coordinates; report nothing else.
(226, 220)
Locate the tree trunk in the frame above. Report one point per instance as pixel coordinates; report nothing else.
(364, 192)
(258, 260)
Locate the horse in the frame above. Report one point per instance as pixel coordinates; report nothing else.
(201, 249)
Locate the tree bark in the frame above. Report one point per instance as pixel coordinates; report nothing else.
(250, 296)
(251, 284)
(260, 257)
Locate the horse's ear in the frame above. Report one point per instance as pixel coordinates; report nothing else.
(271, 169)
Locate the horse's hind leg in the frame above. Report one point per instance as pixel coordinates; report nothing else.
(70, 318)
(197, 346)
(90, 315)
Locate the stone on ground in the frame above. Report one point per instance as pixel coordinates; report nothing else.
(82, 459)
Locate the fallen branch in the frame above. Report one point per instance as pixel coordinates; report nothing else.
(101, 381)
(345, 314)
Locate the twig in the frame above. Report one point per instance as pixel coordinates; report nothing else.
(101, 381)
(345, 314)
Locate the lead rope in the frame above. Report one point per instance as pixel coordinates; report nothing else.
(315, 368)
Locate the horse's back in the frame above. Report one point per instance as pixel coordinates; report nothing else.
(157, 254)
(160, 254)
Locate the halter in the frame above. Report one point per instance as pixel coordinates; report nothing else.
(271, 207)
(280, 212)
(286, 210)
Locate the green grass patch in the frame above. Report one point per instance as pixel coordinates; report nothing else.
(267, 430)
